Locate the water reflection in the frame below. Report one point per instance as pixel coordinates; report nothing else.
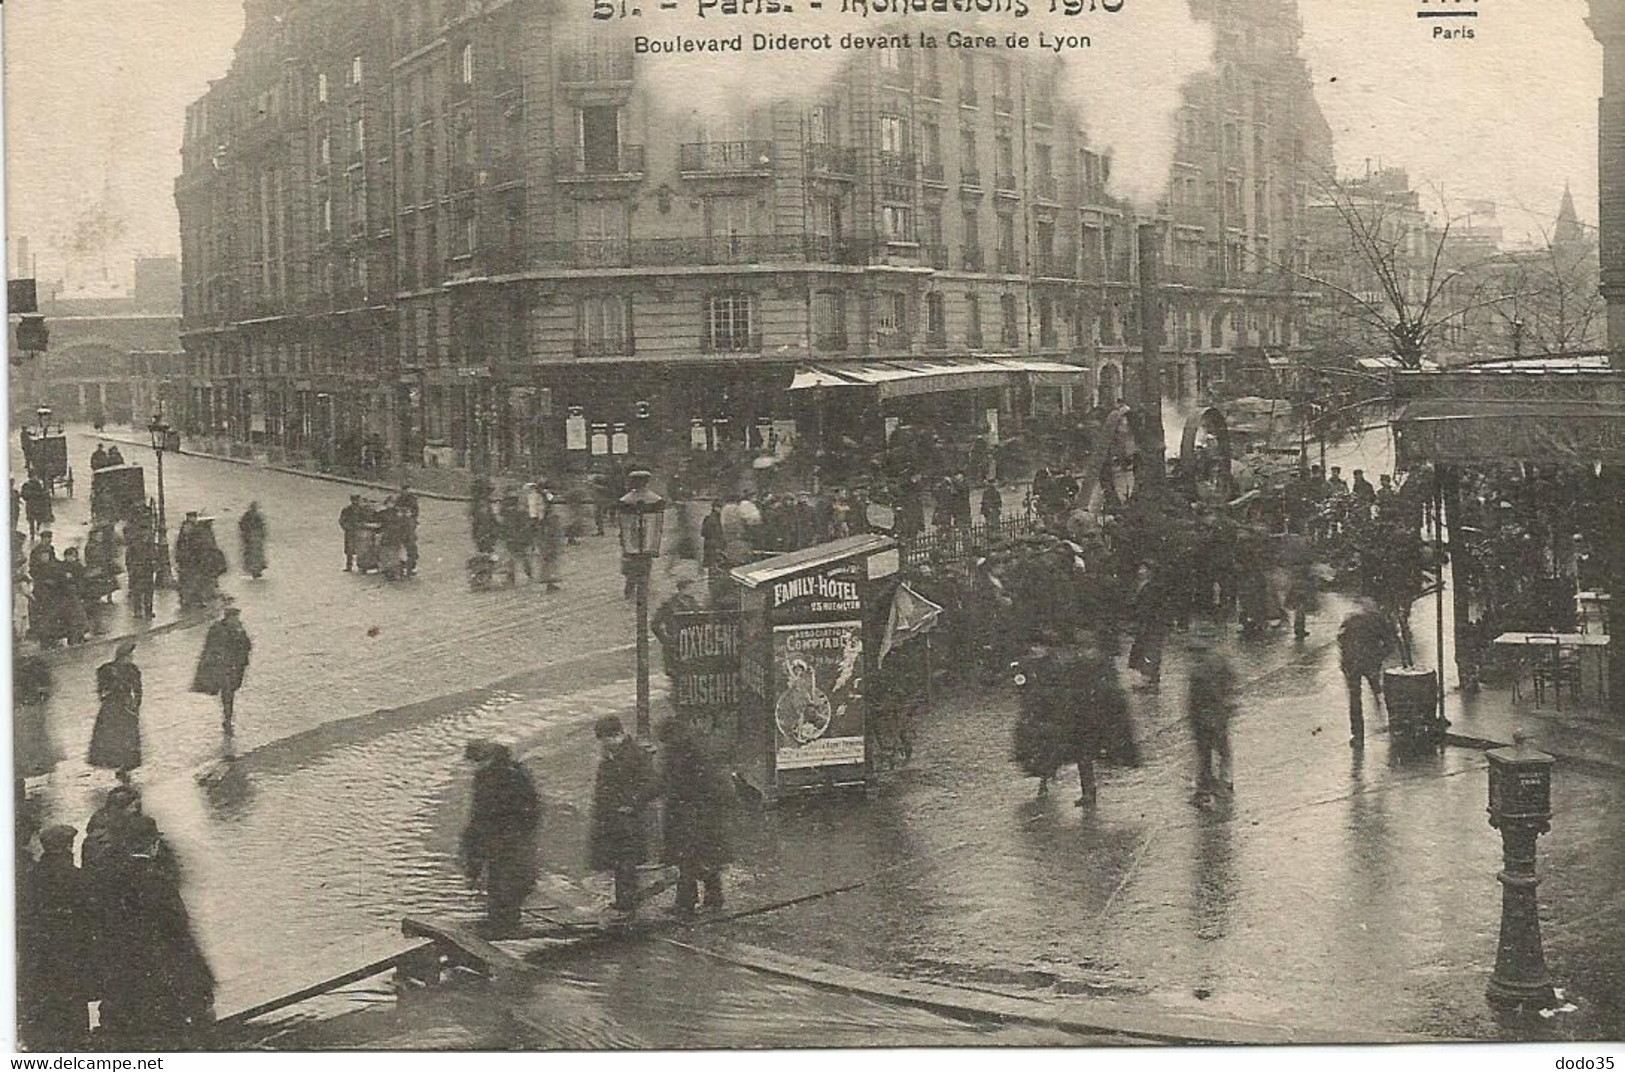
(676, 998)
(1213, 874)
(227, 790)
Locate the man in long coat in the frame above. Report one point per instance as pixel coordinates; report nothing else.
(56, 947)
(140, 564)
(350, 519)
(623, 789)
(157, 987)
(406, 504)
(500, 838)
(37, 505)
(251, 534)
(1072, 711)
(224, 661)
(1363, 643)
(1210, 703)
(695, 784)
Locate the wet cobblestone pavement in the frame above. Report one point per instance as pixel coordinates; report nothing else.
(1336, 889)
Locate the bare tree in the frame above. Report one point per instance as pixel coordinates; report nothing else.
(1550, 300)
(1396, 276)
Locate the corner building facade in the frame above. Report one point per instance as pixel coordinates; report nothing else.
(459, 234)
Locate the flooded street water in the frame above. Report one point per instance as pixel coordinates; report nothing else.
(649, 995)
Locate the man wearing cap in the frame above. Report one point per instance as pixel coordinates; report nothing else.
(500, 839)
(224, 661)
(56, 935)
(624, 787)
(664, 625)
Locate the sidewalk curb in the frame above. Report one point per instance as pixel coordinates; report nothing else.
(56, 655)
(1098, 1016)
(1572, 759)
(332, 478)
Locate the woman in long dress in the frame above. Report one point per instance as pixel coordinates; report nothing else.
(115, 743)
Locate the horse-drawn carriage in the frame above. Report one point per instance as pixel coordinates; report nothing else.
(45, 453)
(117, 493)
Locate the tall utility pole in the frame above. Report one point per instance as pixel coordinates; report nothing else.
(1153, 447)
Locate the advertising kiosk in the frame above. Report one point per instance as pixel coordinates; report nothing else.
(807, 641)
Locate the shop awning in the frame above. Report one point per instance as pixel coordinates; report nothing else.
(897, 379)
(1526, 430)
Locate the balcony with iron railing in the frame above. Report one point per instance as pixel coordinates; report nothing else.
(1005, 182)
(702, 250)
(1003, 104)
(936, 340)
(1006, 262)
(575, 165)
(829, 341)
(731, 342)
(970, 178)
(1047, 188)
(839, 161)
(968, 97)
(591, 66)
(894, 341)
(971, 259)
(725, 158)
(1043, 111)
(894, 165)
(934, 173)
(931, 87)
(973, 340)
(935, 254)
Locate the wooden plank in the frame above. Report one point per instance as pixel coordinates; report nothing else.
(1119, 1021)
(466, 947)
(270, 992)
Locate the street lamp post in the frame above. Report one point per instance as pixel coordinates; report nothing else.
(159, 430)
(1521, 808)
(642, 519)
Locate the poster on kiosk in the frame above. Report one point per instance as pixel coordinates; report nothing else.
(806, 653)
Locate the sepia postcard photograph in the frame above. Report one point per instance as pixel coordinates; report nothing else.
(583, 525)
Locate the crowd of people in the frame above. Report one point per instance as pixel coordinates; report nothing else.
(688, 776)
(113, 931)
(521, 529)
(381, 537)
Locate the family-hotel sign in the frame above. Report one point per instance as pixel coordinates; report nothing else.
(834, 590)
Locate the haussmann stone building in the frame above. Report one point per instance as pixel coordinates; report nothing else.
(458, 234)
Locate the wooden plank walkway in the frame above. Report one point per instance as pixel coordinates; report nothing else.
(276, 986)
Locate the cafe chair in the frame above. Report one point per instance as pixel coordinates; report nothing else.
(1554, 667)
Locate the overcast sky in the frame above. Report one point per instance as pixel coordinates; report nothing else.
(96, 90)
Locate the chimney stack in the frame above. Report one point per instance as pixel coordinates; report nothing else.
(1149, 400)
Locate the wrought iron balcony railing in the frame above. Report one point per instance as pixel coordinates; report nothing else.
(726, 157)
